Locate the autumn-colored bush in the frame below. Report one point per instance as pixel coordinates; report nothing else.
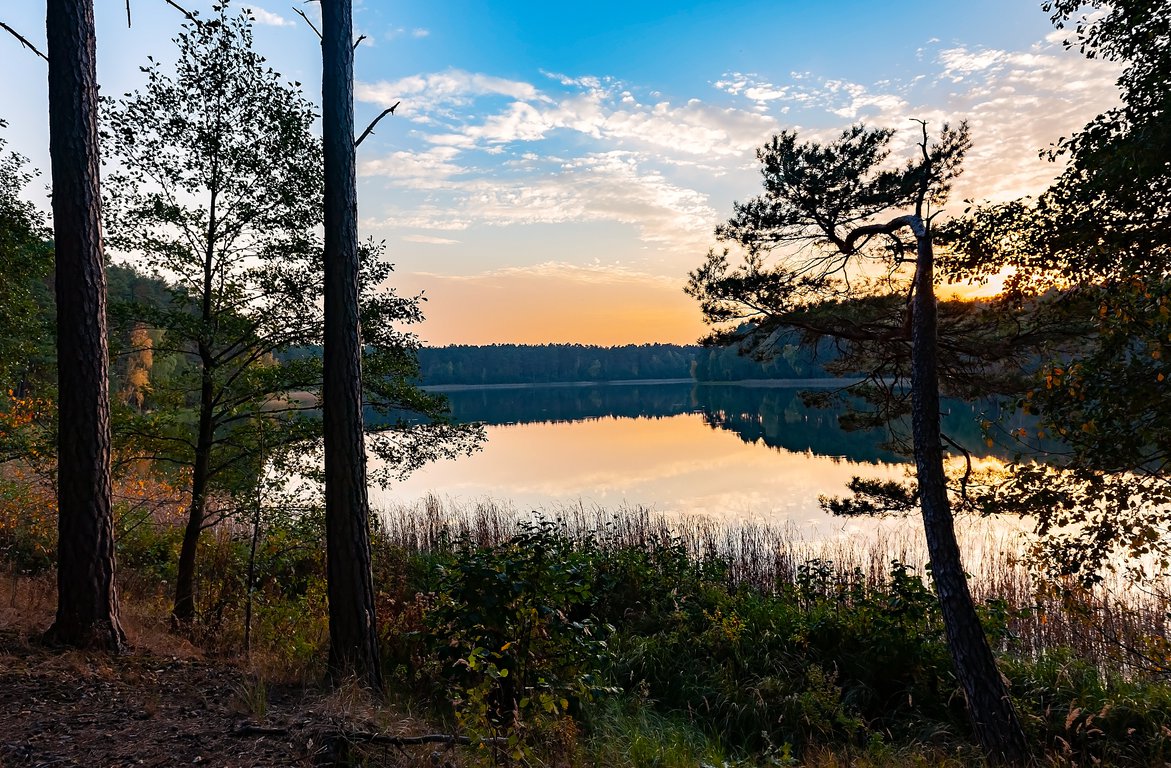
(28, 520)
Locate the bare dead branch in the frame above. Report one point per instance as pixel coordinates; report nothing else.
(359, 41)
(190, 16)
(251, 729)
(407, 741)
(925, 181)
(128, 14)
(23, 41)
(370, 128)
(301, 13)
(968, 466)
(248, 729)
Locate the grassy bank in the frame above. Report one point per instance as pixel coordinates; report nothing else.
(590, 638)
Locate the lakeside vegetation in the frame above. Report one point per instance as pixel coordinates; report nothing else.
(625, 638)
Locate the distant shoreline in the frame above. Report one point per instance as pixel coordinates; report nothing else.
(821, 383)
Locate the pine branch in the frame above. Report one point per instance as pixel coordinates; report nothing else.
(190, 16)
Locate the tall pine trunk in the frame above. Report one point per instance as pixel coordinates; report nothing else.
(353, 640)
(993, 716)
(87, 601)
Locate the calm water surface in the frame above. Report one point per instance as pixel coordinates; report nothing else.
(731, 452)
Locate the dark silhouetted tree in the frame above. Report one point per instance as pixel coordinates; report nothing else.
(353, 638)
(87, 602)
(846, 271)
(1094, 251)
(215, 186)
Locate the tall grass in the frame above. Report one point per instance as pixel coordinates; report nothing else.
(1117, 624)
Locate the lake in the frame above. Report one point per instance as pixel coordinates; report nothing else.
(733, 452)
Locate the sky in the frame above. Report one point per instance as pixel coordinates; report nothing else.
(554, 170)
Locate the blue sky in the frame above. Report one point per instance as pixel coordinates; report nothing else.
(555, 169)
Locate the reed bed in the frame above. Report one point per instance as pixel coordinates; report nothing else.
(1117, 624)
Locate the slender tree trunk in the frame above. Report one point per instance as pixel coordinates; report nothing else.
(87, 601)
(183, 612)
(251, 583)
(353, 640)
(993, 716)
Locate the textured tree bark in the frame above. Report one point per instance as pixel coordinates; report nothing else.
(353, 640)
(87, 601)
(993, 716)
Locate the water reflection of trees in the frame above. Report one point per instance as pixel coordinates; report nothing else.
(778, 418)
(772, 416)
(536, 404)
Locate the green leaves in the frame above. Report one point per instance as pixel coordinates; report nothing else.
(215, 185)
(516, 627)
(26, 302)
(1093, 253)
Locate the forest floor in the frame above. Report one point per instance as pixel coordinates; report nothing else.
(163, 704)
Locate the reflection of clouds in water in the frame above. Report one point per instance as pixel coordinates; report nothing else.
(676, 465)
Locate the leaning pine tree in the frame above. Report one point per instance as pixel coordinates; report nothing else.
(855, 263)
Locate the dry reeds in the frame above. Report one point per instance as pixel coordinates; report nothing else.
(1116, 624)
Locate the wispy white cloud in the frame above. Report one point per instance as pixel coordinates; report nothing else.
(603, 187)
(481, 151)
(429, 169)
(417, 33)
(268, 17)
(610, 186)
(596, 272)
(498, 154)
(598, 108)
(762, 92)
(1016, 103)
(426, 215)
(425, 93)
(429, 240)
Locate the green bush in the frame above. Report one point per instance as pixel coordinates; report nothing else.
(514, 631)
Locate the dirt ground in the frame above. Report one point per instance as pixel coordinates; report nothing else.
(162, 704)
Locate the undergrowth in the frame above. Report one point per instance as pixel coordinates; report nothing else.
(631, 640)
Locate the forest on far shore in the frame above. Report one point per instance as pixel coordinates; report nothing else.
(478, 365)
(560, 363)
